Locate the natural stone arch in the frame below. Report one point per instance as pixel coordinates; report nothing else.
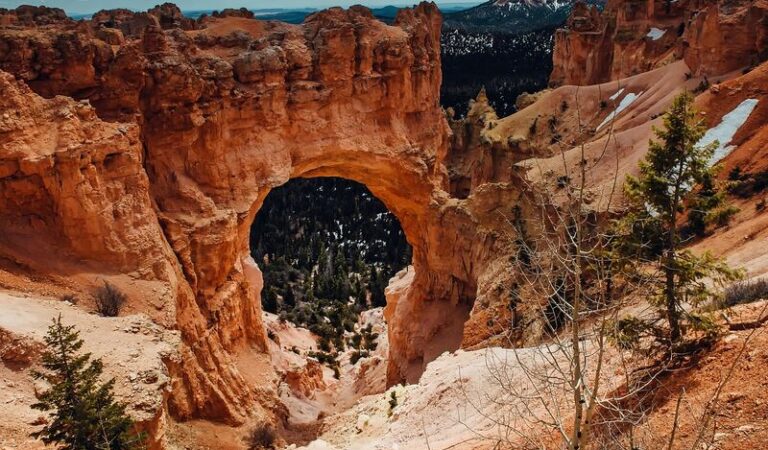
(396, 173)
(188, 132)
(424, 320)
(360, 101)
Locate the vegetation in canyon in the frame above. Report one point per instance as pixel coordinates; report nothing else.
(109, 300)
(589, 266)
(665, 190)
(327, 248)
(261, 437)
(482, 47)
(476, 60)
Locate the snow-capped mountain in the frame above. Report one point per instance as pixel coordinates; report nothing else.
(513, 16)
(553, 4)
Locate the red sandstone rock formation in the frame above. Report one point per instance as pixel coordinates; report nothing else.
(231, 12)
(27, 15)
(634, 36)
(128, 23)
(157, 164)
(169, 16)
(305, 381)
(188, 131)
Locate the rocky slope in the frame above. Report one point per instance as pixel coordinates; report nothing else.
(464, 401)
(613, 121)
(136, 352)
(714, 37)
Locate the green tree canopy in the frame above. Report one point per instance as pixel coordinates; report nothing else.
(659, 196)
(84, 413)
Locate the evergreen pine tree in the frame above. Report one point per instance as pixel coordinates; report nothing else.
(309, 290)
(708, 207)
(304, 256)
(376, 286)
(317, 286)
(340, 262)
(700, 206)
(323, 265)
(674, 165)
(289, 299)
(269, 300)
(359, 266)
(84, 414)
(361, 296)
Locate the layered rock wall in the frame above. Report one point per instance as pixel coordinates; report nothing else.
(142, 145)
(634, 36)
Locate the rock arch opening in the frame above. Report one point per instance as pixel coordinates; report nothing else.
(327, 249)
(425, 309)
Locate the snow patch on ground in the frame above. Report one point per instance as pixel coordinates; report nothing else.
(655, 34)
(724, 132)
(617, 94)
(623, 104)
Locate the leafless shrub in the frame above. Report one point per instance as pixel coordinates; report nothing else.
(109, 300)
(746, 291)
(261, 437)
(561, 386)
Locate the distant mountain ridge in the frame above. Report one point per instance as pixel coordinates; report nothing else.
(513, 16)
(297, 15)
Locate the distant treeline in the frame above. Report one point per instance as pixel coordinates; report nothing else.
(505, 64)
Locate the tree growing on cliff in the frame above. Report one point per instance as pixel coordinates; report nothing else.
(659, 196)
(84, 413)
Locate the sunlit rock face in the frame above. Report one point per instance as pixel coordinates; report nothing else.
(143, 145)
(175, 132)
(714, 37)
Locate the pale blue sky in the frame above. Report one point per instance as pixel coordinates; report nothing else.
(87, 6)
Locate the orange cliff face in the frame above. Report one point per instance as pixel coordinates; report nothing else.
(157, 163)
(143, 145)
(629, 37)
